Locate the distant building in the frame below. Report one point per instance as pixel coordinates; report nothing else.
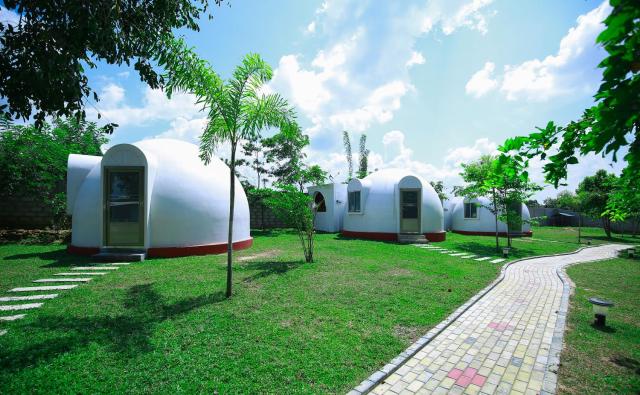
(473, 217)
(382, 206)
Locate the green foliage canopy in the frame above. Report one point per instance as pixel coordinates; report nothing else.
(43, 58)
(33, 161)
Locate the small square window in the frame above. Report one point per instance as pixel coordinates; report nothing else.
(354, 202)
(470, 210)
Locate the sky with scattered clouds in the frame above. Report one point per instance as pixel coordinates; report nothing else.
(432, 83)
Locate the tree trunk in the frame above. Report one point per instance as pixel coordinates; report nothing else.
(495, 214)
(606, 225)
(232, 194)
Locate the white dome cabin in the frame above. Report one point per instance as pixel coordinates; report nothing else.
(470, 216)
(154, 195)
(331, 204)
(391, 203)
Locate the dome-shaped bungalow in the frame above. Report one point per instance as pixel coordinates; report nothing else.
(154, 195)
(471, 216)
(391, 202)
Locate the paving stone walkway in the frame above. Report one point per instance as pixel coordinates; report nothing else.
(507, 342)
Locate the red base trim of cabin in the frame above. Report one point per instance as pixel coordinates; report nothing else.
(383, 236)
(500, 234)
(172, 252)
(436, 237)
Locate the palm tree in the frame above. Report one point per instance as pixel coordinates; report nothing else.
(238, 110)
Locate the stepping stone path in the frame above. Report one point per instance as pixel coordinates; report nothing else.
(43, 288)
(26, 306)
(29, 297)
(462, 255)
(62, 280)
(66, 277)
(506, 341)
(12, 317)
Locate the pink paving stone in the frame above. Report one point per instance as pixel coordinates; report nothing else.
(469, 372)
(463, 381)
(455, 373)
(478, 380)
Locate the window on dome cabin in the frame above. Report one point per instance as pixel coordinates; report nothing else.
(354, 202)
(470, 210)
(321, 206)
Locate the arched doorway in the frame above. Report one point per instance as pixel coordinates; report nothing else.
(321, 206)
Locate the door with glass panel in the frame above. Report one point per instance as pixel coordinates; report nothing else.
(124, 206)
(410, 211)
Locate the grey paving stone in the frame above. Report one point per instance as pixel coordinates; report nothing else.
(498, 260)
(43, 288)
(95, 268)
(81, 274)
(468, 256)
(484, 258)
(121, 263)
(28, 297)
(3, 332)
(63, 280)
(24, 306)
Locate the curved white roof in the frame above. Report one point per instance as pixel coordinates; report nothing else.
(485, 222)
(380, 200)
(186, 201)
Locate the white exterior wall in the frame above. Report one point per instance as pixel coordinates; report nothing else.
(485, 221)
(186, 202)
(380, 203)
(78, 167)
(335, 196)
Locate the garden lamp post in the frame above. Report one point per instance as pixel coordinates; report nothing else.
(505, 251)
(631, 252)
(600, 310)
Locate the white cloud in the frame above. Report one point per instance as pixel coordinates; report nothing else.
(185, 129)
(482, 82)
(155, 107)
(572, 68)
(468, 15)
(416, 58)
(8, 17)
(311, 27)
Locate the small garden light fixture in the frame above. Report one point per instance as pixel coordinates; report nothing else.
(600, 310)
(505, 251)
(631, 252)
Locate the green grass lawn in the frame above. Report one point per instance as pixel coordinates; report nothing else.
(603, 361)
(164, 326)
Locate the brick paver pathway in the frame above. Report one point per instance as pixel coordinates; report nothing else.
(501, 344)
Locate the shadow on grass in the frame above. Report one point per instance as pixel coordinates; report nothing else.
(267, 268)
(271, 232)
(474, 247)
(128, 334)
(60, 258)
(626, 362)
(605, 329)
(340, 236)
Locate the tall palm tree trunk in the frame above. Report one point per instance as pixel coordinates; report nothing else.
(495, 216)
(232, 193)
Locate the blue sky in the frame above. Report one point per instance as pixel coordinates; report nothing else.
(432, 83)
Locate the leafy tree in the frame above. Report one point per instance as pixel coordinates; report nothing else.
(284, 151)
(605, 127)
(296, 209)
(624, 203)
(593, 193)
(253, 151)
(564, 200)
(364, 157)
(237, 111)
(479, 182)
(532, 203)
(313, 175)
(439, 188)
(44, 57)
(347, 151)
(33, 161)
